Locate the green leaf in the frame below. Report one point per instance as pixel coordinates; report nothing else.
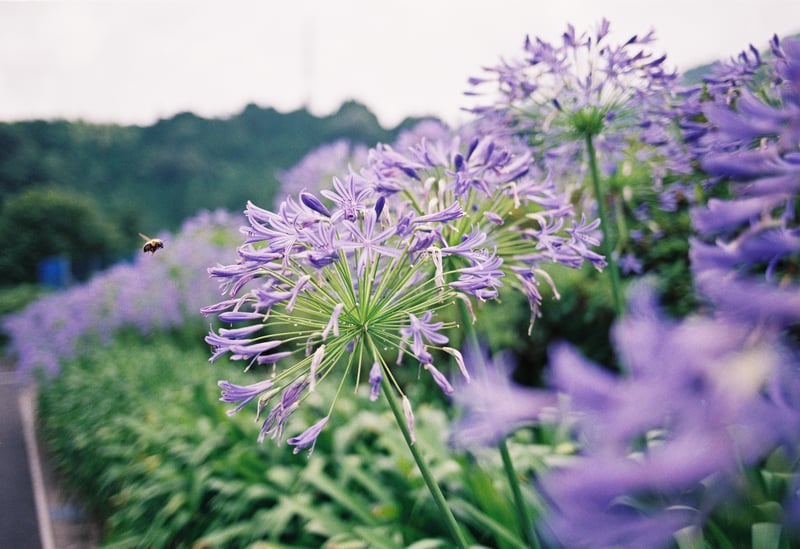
(484, 522)
(315, 476)
(690, 538)
(766, 535)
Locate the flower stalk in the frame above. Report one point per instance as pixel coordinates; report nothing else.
(523, 516)
(427, 475)
(608, 245)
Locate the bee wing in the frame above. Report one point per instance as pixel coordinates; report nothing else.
(145, 237)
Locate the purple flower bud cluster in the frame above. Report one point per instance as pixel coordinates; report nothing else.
(152, 293)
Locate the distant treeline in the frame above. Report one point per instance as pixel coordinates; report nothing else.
(154, 177)
(149, 179)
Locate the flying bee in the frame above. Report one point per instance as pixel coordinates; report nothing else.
(151, 244)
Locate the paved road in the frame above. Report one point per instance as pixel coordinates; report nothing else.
(19, 526)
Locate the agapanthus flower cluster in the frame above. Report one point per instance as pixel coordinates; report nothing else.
(316, 169)
(353, 280)
(559, 94)
(746, 257)
(154, 292)
(746, 78)
(318, 166)
(591, 110)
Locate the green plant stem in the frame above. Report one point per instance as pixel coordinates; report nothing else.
(430, 481)
(613, 270)
(525, 521)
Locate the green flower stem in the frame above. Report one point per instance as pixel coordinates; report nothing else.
(433, 487)
(608, 246)
(524, 518)
(622, 226)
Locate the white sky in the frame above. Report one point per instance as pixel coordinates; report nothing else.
(136, 62)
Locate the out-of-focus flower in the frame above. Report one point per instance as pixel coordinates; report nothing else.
(492, 405)
(740, 80)
(315, 170)
(747, 245)
(629, 263)
(429, 130)
(663, 447)
(149, 294)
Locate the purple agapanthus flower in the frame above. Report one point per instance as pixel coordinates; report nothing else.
(558, 93)
(659, 449)
(336, 276)
(484, 187)
(671, 437)
(308, 438)
(747, 244)
(421, 330)
(585, 101)
(492, 406)
(242, 394)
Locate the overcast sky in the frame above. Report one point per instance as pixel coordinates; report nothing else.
(136, 62)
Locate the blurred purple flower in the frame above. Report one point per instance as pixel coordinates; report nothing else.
(629, 263)
(148, 294)
(672, 436)
(316, 169)
(747, 245)
(492, 406)
(707, 106)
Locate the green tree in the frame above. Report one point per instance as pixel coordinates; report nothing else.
(164, 173)
(50, 221)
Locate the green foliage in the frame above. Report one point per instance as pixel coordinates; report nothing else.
(50, 221)
(138, 431)
(15, 298)
(152, 178)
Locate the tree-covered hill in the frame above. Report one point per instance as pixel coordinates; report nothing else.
(151, 178)
(131, 179)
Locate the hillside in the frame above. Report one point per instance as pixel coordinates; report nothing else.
(151, 178)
